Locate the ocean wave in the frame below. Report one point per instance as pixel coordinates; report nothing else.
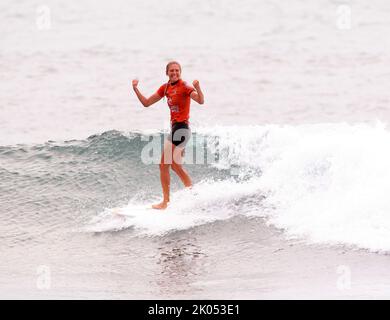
(325, 183)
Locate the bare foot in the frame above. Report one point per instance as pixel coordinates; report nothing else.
(160, 206)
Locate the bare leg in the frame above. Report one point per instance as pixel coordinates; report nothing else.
(165, 163)
(165, 183)
(183, 175)
(178, 168)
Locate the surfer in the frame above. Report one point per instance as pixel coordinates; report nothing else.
(179, 96)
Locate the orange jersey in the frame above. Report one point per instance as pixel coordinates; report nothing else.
(179, 100)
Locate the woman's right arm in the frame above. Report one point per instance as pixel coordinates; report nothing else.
(146, 102)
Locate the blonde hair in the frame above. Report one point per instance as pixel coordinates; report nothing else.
(171, 63)
(166, 71)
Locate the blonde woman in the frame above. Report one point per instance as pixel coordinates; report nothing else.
(179, 96)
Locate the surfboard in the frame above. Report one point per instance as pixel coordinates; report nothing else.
(122, 212)
(119, 212)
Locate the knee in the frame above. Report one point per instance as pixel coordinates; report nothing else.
(176, 167)
(164, 167)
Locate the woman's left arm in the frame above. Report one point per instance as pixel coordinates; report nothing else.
(197, 94)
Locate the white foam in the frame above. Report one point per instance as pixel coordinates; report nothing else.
(206, 202)
(326, 183)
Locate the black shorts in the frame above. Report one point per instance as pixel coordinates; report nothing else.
(180, 134)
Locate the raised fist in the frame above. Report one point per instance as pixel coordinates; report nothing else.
(135, 83)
